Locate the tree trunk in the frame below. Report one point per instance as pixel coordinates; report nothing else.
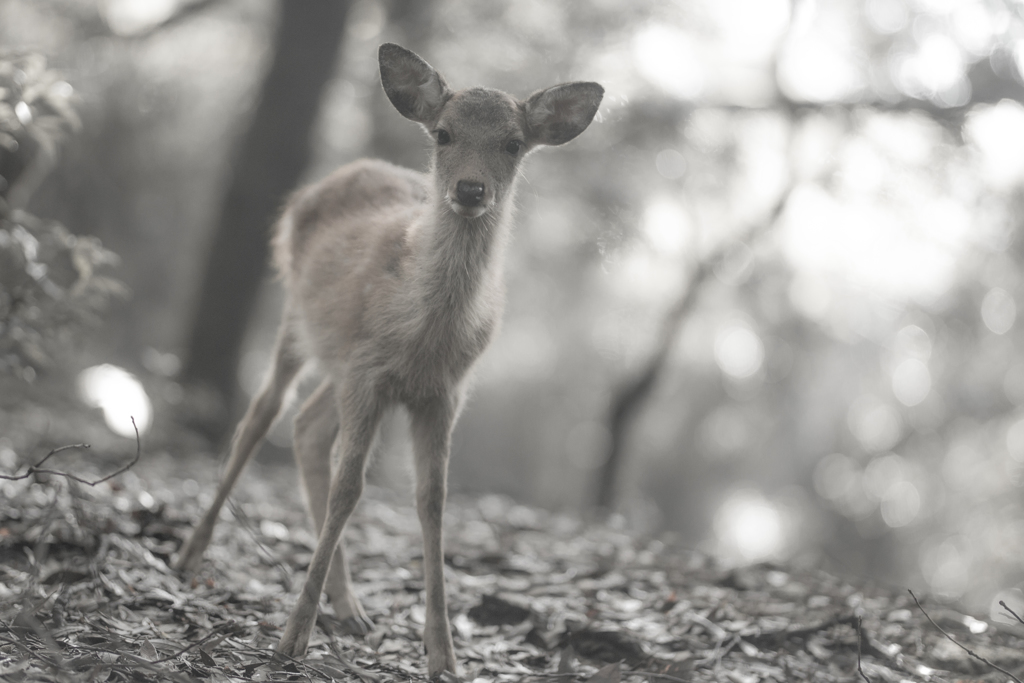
(629, 398)
(410, 23)
(632, 394)
(273, 153)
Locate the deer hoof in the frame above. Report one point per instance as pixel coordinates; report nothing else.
(291, 647)
(188, 560)
(356, 625)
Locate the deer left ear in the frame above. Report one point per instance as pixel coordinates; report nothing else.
(560, 113)
(413, 86)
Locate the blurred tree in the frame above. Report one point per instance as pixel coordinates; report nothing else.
(987, 81)
(908, 408)
(274, 151)
(628, 399)
(410, 23)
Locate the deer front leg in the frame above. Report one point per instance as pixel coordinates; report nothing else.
(316, 427)
(358, 425)
(431, 431)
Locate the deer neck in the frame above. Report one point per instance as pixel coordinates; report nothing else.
(460, 260)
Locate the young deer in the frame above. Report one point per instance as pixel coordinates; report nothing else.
(394, 288)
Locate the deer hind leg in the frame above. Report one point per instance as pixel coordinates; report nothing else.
(316, 427)
(250, 431)
(360, 413)
(431, 433)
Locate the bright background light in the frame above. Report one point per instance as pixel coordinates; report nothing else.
(749, 528)
(120, 396)
(738, 350)
(665, 56)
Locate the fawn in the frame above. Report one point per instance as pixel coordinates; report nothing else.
(393, 285)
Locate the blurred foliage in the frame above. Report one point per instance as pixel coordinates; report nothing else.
(51, 281)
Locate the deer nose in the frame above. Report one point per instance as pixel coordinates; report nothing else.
(469, 193)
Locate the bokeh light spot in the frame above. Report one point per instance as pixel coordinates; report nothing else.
(749, 527)
(671, 164)
(998, 310)
(945, 569)
(881, 474)
(875, 424)
(119, 395)
(911, 382)
(997, 132)
(887, 16)
(901, 504)
(739, 352)
(664, 56)
(913, 342)
(666, 226)
(129, 17)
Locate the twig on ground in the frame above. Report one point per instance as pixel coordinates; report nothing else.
(274, 655)
(960, 645)
(250, 528)
(209, 636)
(28, 620)
(1014, 614)
(31, 653)
(766, 637)
(564, 674)
(664, 677)
(648, 674)
(132, 662)
(37, 468)
(860, 637)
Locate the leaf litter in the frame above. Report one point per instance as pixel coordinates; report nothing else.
(87, 594)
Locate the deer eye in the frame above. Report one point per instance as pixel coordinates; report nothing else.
(442, 137)
(514, 147)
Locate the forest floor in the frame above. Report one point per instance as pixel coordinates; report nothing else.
(86, 593)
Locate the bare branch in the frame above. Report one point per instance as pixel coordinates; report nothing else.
(1014, 614)
(960, 645)
(38, 469)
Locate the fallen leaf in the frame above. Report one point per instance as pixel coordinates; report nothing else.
(496, 611)
(567, 660)
(148, 651)
(610, 673)
(607, 646)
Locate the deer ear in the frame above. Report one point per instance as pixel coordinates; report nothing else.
(417, 91)
(560, 113)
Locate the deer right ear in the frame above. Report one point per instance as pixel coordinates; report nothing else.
(413, 86)
(560, 113)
